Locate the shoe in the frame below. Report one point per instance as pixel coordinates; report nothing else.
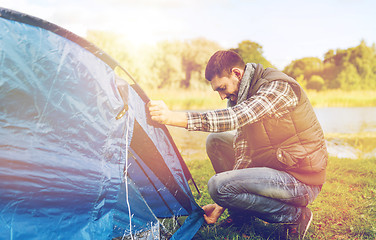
(298, 230)
(235, 221)
(226, 223)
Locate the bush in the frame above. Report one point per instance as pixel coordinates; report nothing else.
(315, 82)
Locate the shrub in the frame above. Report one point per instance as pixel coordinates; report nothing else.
(315, 82)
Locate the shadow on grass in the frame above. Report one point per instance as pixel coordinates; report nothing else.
(255, 230)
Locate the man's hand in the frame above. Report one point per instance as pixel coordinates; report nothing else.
(160, 113)
(212, 212)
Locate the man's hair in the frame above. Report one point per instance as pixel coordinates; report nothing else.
(221, 64)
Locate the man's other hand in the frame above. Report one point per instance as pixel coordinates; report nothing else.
(212, 212)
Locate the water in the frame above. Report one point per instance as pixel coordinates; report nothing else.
(347, 120)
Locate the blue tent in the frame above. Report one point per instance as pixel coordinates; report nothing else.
(79, 157)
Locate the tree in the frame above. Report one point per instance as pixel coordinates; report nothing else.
(195, 55)
(349, 78)
(252, 52)
(166, 64)
(352, 68)
(315, 82)
(364, 60)
(307, 67)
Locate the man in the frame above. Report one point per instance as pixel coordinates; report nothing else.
(277, 164)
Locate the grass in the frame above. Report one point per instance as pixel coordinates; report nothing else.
(340, 98)
(179, 99)
(345, 208)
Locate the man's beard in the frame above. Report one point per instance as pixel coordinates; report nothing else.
(232, 97)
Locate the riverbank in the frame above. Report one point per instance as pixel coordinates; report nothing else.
(179, 99)
(352, 145)
(360, 145)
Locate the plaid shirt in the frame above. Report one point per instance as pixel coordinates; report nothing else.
(273, 99)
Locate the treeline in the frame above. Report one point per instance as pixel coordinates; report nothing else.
(170, 64)
(181, 64)
(348, 69)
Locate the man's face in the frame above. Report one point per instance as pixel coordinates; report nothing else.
(227, 86)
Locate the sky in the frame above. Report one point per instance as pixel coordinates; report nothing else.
(287, 30)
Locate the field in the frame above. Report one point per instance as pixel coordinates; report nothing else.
(345, 209)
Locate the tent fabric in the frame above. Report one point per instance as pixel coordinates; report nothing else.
(69, 169)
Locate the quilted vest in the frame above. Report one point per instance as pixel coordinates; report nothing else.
(294, 142)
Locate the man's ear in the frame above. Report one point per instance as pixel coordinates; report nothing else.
(237, 72)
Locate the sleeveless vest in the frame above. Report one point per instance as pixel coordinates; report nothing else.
(294, 142)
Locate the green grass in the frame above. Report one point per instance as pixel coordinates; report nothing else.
(179, 99)
(345, 208)
(340, 98)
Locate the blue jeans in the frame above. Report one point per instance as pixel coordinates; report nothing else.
(272, 195)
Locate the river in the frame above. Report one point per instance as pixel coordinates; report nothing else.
(347, 120)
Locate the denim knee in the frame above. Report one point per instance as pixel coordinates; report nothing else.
(217, 191)
(212, 187)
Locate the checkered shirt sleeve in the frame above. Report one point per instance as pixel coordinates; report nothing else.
(273, 99)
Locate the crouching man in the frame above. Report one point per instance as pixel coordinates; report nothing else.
(267, 147)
